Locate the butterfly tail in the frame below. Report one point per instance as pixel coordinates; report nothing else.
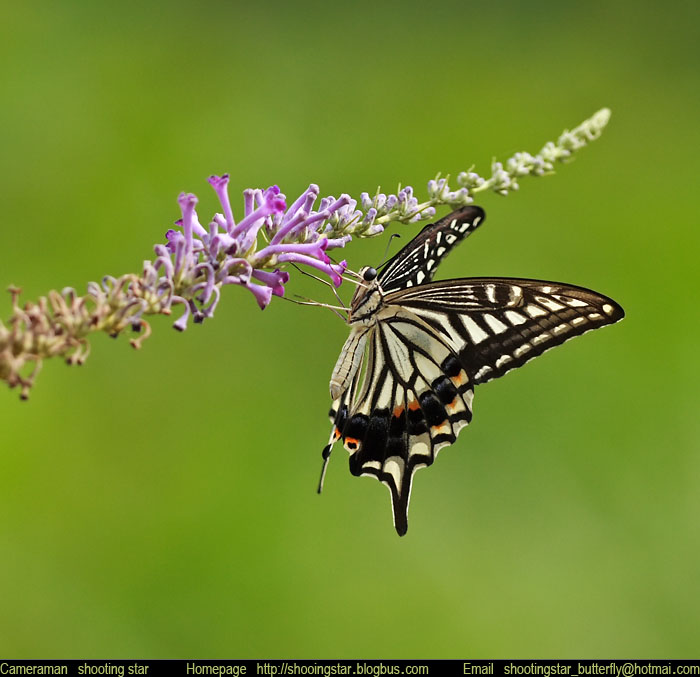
(392, 473)
(399, 506)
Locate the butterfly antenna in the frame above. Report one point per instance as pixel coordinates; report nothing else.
(385, 260)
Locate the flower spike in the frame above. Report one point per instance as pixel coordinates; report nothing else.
(194, 263)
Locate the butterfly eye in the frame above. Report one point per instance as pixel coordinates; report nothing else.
(369, 274)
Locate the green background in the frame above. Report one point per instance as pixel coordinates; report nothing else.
(161, 503)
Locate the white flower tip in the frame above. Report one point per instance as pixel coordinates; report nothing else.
(602, 117)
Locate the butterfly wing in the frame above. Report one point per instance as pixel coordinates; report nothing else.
(410, 399)
(416, 263)
(498, 324)
(432, 343)
(431, 346)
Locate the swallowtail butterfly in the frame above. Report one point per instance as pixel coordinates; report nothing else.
(403, 385)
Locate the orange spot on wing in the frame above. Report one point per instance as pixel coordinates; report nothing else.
(351, 444)
(452, 406)
(337, 434)
(413, 405)
(398, 410)
(444, 427)
(460, 378)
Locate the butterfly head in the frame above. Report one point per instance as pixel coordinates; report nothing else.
(368, 273)
(367, 297)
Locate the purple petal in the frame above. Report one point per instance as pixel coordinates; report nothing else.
(262, 294)
(375, 229)
(179, 251)
(187, 202)
(166, 263)
(181, 323)
(298, 218)
(334, 271)
(243, 275)
(161, 250)
(275, 200)
(371, 215)
(342, 241)
(227, 243)
(276, 280)
(208, 285)
(208, 311)
(305, 201)
(220, 186)
(272, 203)
(197, 227)
(248, 201)
(315, 249)
(172, 236)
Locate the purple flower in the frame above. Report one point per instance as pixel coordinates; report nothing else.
(275, 280)
(220, 185)
(334, 271)
(262, 294)
(228, 254)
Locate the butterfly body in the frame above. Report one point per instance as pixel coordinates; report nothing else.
(403, 385)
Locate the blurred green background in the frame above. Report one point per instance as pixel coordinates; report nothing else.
(161, 503)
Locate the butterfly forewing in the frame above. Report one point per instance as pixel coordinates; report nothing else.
(498, 324)
(417, 262)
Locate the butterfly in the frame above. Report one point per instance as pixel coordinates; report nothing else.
(403, 386)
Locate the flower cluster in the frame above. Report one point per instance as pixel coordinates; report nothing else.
(198, 261)
(195, 262)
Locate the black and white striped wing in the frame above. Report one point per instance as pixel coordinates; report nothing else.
(410, 399)
(413, 392)
(495, 325)
(416, 263)
(432, 343)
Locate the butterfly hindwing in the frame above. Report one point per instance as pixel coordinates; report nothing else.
(412, 401)
(417, 262)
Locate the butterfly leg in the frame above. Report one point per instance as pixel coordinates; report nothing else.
(322, 281)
